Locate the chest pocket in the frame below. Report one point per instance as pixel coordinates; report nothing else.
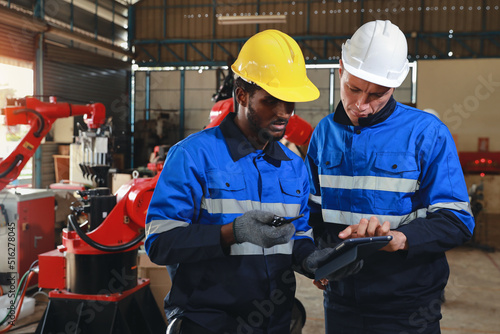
(330, 174)
(291, 187)
(396, 181)
(329, 161)
(224, 185)
(292, 191)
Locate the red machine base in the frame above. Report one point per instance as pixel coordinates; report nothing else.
(133, 311)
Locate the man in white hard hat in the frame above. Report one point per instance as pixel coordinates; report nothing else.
(380, 168)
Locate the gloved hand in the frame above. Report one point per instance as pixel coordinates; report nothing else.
(320, 256)
(253, 227)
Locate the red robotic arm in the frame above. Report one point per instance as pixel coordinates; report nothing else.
(94, 272)
(40, 116)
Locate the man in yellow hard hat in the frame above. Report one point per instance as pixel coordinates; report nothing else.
(210, 218)
(380, 168)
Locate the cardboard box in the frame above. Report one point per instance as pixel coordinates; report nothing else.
(63, 149)
(159, 279)
(118, 180)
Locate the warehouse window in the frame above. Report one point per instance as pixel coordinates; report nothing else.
(16, 81)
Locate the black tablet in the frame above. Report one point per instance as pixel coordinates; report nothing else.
(351, 250)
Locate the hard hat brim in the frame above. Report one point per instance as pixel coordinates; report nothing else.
(304, 93)
(378, 80)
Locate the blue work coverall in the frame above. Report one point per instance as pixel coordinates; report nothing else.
(401, 166)
(208, 180)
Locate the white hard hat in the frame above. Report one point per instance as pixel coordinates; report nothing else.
(377, 53)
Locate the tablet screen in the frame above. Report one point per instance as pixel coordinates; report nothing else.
(350, 250)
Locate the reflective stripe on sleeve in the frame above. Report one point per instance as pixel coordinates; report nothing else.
(308, 233)
(315, 199)
(247, 248)
(369, 183)
(160, 226)
(457, 206)
(233, 206)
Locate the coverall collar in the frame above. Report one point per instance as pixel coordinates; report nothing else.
(239, 146)
(340, 116)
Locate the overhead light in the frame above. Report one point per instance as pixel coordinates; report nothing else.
(251, 19)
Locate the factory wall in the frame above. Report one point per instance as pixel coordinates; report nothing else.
(466, 95)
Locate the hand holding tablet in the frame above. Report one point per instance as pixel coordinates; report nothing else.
(349, 251)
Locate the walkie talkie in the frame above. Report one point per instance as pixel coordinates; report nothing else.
(278, 221)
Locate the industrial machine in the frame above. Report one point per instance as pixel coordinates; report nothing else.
(93, 273)
(26, 230)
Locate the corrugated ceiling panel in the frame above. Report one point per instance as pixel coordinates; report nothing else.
(296, 24)
(79, 57)
(149, 23)
(196, 20)
(405, 16)
(492, 15)
(175, 22)
(17, 43)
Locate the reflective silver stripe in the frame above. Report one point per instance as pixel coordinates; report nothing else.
(160, 226)
(457, 206)
(369, 183)
(308, 233)
(233, 206)
(315, 199)
(248, 248)
(351, 218)
(280, 249)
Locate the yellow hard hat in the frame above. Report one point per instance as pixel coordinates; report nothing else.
(273, 60)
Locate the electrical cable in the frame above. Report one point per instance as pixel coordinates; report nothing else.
(6, 329)
(101, 247)
(22, 286)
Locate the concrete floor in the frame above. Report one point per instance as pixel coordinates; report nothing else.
(472, 295)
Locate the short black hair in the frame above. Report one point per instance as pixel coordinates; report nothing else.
(248, 87)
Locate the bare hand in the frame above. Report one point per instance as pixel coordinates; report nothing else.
(372, 228)
(321, 284)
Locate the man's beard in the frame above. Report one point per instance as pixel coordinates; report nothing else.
(263, 135)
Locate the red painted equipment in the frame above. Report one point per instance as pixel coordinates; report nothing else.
(94, 271)
(298, 131)
(40, 116)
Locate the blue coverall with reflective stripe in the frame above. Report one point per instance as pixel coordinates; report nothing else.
(208, 180)
(403, 169)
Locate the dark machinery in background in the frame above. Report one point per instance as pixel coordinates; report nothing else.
(93, 273)
(479, 163)
(476, 197)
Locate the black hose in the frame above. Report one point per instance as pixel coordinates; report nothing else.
(18, 158)
(40, 119)
(101, 247)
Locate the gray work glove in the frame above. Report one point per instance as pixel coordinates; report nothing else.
(320, 257)
(253, 226)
